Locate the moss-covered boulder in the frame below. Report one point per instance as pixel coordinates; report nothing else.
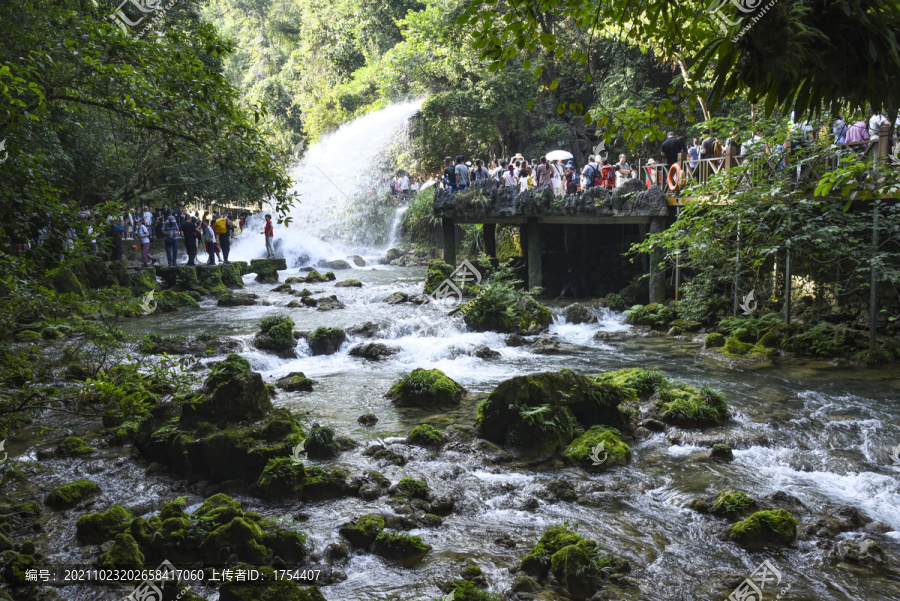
(295, 381)
(96, 528)
(731, 504)
(276, 333)
(425, 436)
(326, 341)
(314, 277)
(210, 277)
(336, 264)
(269, 588)
(400, 547)
(267, 269)
(721, 452)
(763, 528)
(71, 494)
(362, 531)
(597, 449)
(687, 325)
(520, 313)
(282, 477)
(231, 276)
(542, 413)
(320, 483)
(231, 299)
(15, 569)
(425, 388)
(688, 406)
(580, 565)
(28, 336)
(168, 301)
(143, 281)
(348, 284)
(72, 446)
(240, 537)
(229, 398)
(654, 315)
(320, 443)
(124, 553)
(412, 488)
(644, 382)
(714, 340)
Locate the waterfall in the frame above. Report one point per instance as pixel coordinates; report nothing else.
(341, 181)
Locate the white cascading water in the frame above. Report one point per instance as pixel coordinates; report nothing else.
(338, 180)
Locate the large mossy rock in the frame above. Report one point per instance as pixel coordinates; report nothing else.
(400, 547)
(425, 388)
(492, 313)
(123, 554)
(688, 406)
(276, 333)
(210, 277)
(168, 301)
(654, 315)
(296, 381)
(763, 528)
(326, 341)
(71, 494)
(580, 565)
(267, 269)
(73, 446)
(231, 275)
(597, 449)
(362, 531)
(233, 394)
(229, 299)
(541, 413)
(96, 528)
(644, 382)
(143, 281)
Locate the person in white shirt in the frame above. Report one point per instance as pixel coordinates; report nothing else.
(875, 123)
(403, 184)
(509, 177)
(559, 178)
(144, 235)
(623, 171)
(148, 218)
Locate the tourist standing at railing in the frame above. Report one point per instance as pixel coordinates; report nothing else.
(544, 173)
(449, 175)
(572, 178)
(875, 123)
(732, 142)
(839, 130)
(672, 147)
(623, 171)
(559, 178)
(708, 148)
(480, 172)
(509, 177)
(462, 174)
(858, 132)
(588, 173)
(694, 153)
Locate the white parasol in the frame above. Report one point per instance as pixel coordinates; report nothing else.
(559, 155)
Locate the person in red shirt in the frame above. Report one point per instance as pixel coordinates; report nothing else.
(269, 233)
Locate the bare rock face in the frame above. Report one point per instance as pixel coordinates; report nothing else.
(577, 313)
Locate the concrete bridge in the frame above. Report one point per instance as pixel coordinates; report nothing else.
(591, 229)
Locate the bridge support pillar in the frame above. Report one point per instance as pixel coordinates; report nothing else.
(535, 249)
(489, 230)
(657, 278)
(448, 228)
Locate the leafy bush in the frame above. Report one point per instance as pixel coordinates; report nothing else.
(818, 341)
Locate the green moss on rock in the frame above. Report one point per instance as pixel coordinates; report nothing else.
(326, 341)
(685, 405)
(644, 382)
(400, 547)
(425, 436)
(96, 528)
(654, 315)
(276, 333)
(412, 488)
(362, 531)
(425, 388)
(15, 568)
(599, 442)
(722, 452)
(731, 503)
(282, 477)
(71, 494)
(72, 446)
(168, 301)
(124, 553)
(218, 510)
(28, 336)
(733, 346)
(231, 367)
(764, 528)
(714, 340)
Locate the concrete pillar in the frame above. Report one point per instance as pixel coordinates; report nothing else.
(535, 248)
(489, 230)
(657, 278)
(449, 230)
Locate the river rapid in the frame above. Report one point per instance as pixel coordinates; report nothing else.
(821, 433)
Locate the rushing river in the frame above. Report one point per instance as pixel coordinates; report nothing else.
(820, 433)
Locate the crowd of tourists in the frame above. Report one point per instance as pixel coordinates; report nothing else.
(211, 235)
